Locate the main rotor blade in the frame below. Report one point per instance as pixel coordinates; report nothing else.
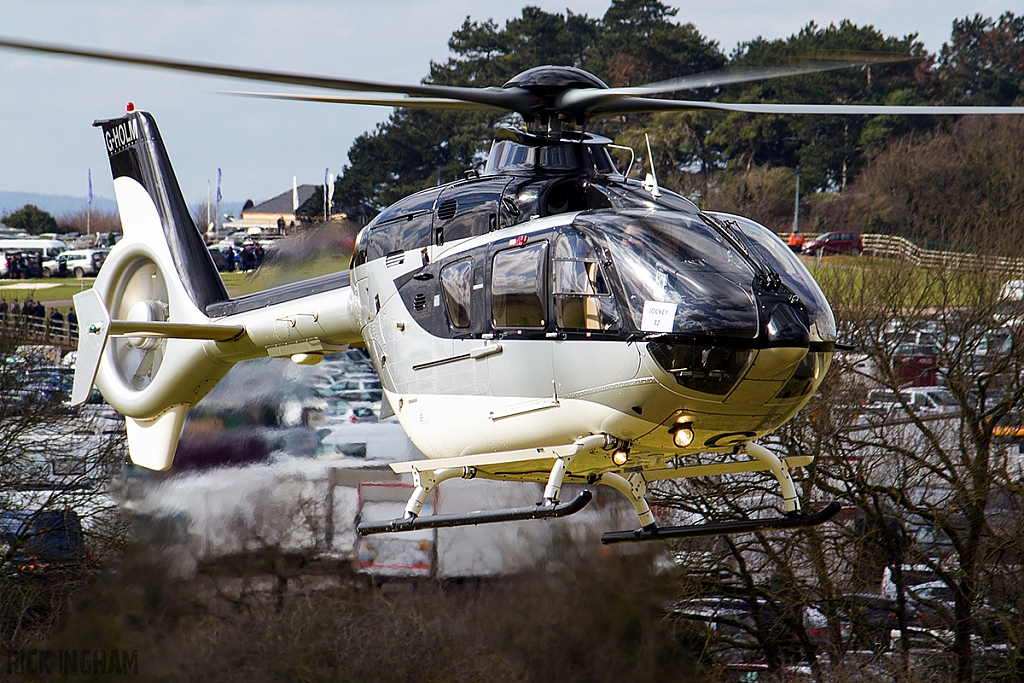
(823, 61)
(512, 98)
(648, 105)
(406, 102)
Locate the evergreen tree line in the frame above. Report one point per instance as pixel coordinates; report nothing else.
(914, 175)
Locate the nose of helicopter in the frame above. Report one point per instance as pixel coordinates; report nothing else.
(787, 326)
(718, 369)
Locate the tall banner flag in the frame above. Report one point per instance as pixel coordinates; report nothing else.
(327, 194)
(88, 208)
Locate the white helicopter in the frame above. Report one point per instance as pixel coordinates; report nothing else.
(549, 320)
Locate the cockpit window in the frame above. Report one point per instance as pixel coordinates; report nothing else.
(517, 286)
(456, 281)
(583, 300)
(679, 274)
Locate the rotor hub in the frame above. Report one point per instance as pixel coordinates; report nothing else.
(146, 310)
(548, 81)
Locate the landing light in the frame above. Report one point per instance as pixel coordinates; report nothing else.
(682, 434)
(620, 456)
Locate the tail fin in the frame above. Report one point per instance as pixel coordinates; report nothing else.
(138, 159)
(159, 274)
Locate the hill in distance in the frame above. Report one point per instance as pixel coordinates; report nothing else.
(55, 204)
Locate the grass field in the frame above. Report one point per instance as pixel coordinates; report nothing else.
(60, 290)
(842, 278)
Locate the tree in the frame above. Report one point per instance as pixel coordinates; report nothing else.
(415, 149)
(828, 148)
(94, 222)
(949, 472)
(58, 521)
(922, 485)
(639, 43)
(31, 219)
(983, 64)
(962, 186)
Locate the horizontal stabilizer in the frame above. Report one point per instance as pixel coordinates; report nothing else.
(172, 330)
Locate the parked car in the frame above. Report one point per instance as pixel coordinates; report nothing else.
(223, 261)
(361, 414)
(41, 541)
(935, 603)
(916, 365)
(78, 262)
(737, 621)
(351, 389)
(50, 383)
(835, 243)
(924, 401)
(873, 618)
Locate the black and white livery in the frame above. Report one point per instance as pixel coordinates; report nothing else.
(548, 320)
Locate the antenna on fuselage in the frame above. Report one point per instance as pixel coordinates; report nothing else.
(651, 181)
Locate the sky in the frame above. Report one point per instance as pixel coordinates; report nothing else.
(47, 104)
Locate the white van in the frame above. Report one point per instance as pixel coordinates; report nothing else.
(48, 249)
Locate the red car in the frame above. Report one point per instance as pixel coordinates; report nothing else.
(835, 243)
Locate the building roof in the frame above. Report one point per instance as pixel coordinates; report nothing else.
(282, 203)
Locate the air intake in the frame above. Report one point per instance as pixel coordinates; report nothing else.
(447, 210)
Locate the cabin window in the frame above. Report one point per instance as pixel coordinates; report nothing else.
(379, 242)
(457, 282)
(403, 234)
(469, 209)
(517, 286)
(582, 298)
(414, 232)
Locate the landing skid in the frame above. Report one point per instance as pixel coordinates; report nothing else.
(652, 532)
(539, 511)
(426, 480)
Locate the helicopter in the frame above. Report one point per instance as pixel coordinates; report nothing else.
(549, 319)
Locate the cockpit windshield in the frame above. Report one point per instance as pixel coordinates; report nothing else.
(680, 275)
(791, 272)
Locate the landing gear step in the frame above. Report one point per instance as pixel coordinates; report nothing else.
(481, 517)
(738, 526)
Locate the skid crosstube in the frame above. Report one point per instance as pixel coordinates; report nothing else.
(737, 526)
(480, 517)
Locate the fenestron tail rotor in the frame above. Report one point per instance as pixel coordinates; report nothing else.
(142, 297)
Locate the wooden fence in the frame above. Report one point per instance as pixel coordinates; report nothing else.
(35, 329)
(891, 246)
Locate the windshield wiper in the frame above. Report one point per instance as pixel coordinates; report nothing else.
(769, 278)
